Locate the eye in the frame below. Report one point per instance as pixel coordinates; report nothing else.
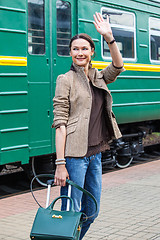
(75, 49)
(85, 48)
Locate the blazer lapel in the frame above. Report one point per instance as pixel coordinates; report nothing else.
(82, 76)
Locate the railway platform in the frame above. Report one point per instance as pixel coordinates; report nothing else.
(130, 207)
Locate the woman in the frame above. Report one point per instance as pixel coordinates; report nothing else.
(84, 120)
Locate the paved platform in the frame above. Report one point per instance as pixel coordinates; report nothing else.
(130, 207)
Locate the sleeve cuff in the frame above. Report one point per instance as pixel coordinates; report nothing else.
(117, 67)
(58, 125)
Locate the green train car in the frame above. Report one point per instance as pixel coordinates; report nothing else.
(34, 39)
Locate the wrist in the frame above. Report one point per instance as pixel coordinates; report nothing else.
(111, 42)
(61, 167)
(108, 38)
(60, 161)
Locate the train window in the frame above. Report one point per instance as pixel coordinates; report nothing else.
(63, 27)
(123, 27)
(36, 34)
(154, 39)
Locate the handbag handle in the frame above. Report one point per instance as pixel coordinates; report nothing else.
(56, 199)
(69, 182)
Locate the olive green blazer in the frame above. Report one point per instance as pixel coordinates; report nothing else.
(73, 102)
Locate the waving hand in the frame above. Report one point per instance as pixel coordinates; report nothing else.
(103, 27)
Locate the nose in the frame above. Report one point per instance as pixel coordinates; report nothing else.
(80, 52)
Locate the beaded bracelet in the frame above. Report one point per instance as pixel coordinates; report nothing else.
(60, 159)
(60, 163)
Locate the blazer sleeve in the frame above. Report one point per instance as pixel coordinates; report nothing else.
(111, 72)
(61, 101)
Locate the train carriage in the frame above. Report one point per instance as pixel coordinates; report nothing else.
(34, 37)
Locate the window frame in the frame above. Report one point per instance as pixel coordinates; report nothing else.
(70, 29)
(35, 54)
(152, 60)
(122, 27)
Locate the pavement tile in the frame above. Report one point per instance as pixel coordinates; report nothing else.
(156, 238)
(130, 208)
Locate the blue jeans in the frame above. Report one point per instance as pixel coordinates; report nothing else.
(87, 173)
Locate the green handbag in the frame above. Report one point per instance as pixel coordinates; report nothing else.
(51, 224)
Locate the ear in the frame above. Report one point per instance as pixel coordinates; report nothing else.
(92, 51)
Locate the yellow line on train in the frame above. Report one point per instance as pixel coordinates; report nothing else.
(22, 61)
(130, 66)
(13, 61)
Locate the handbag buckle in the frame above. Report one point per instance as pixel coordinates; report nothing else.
(79, 228)
(56, 216)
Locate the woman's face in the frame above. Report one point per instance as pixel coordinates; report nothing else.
(81, 52)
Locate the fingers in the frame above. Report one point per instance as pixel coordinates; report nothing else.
(95, 21)
(107, 19)
(98, 18)
(60, 182)
(60, 176)
(96, 26)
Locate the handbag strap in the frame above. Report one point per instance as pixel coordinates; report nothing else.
(85, 192)
(68, 182)
(37, 177)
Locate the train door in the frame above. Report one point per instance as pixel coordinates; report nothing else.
(63, 18)
(39, 80)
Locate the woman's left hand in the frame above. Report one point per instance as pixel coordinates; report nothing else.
(103, 27)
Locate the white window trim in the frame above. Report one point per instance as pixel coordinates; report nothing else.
(150, 32)
(133, 29)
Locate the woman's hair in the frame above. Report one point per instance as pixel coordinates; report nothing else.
(83, 36)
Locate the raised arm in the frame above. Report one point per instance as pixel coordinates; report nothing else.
(103, 27)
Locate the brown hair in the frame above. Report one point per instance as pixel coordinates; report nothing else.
(83, 36)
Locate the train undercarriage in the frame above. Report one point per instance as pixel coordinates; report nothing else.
(135, 137)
